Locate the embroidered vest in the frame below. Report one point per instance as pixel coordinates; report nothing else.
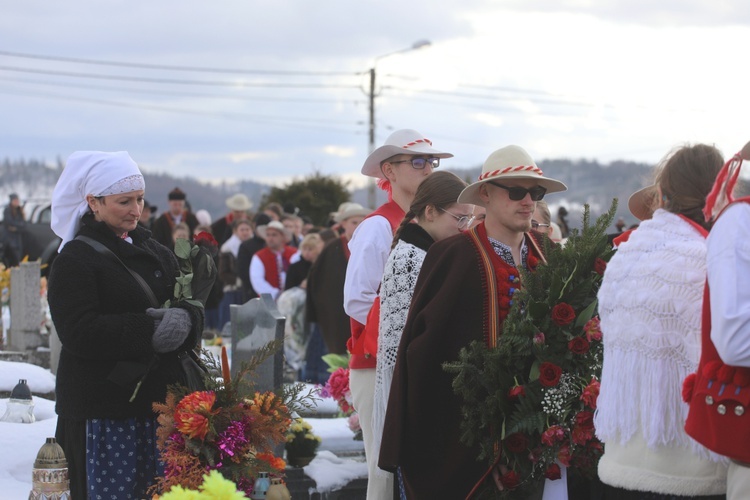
(268, 258)
(363, 343)
(719, 397)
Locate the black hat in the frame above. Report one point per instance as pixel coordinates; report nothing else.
(13, 196)
(176, 194)
(261, 219)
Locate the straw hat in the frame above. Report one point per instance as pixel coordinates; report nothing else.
(274, 224)
(641, 203)
(348, 209)
(510, 162)
(401, 142)
(239, 202)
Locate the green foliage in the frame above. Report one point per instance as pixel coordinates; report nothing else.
(316, 196)
(506, 390)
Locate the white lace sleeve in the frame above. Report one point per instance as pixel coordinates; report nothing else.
(396, 290)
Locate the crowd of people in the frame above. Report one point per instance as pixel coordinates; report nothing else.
(400, 290)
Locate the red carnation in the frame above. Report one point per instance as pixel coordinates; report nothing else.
(510, 479)
(584, 427)
(593, 329)
(563, 314)
(553, 472)
(549, 374)
(516, 442)
(578, 345)
(516, 392)
(599, 266)
(564, 455)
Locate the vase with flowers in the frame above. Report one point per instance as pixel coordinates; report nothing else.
(301, 443)
(228, 427)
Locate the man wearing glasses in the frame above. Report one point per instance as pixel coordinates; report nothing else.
(401, 164)
(463, 293)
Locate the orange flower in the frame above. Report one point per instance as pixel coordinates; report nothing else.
(193, 413)
(277, 463)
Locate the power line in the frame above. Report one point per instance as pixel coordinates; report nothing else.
(263, 119)
(170, 92)
(176, 81)
(173, 68)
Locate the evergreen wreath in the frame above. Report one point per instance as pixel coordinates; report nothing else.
(529, 402)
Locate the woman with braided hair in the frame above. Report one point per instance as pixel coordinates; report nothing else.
(437, 216)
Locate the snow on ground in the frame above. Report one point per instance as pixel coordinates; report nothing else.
(21, 442)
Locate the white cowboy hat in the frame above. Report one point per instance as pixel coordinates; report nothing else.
(348, 209)
(239, 202)
(404, 141)
(274, 224)
(642, 202)
(510, 162)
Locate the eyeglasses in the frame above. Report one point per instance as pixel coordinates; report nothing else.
(518, 193)
(464, 221)
(535, 225)
(420, 163)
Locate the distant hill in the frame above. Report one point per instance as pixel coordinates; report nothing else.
(588, 182)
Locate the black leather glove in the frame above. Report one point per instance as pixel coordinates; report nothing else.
(172, 327)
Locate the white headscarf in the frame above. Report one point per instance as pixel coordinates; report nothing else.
(90, 172)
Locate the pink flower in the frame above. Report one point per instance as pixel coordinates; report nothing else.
(539, 339)
(516, 392)
(353, 422)
(338, 387)
(552, 435)
(593, 329)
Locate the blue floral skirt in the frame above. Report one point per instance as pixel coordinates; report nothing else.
(121, 458)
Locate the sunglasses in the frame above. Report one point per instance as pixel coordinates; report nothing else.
(519, 193)
(420, 163)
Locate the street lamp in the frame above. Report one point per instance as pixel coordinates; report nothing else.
(415, 46)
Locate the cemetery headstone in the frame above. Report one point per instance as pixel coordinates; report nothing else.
(254, 324)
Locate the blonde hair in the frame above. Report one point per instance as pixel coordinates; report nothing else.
(310, 242)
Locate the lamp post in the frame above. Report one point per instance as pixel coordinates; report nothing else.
(415, 46)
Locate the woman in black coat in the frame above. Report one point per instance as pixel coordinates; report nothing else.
(112, 335)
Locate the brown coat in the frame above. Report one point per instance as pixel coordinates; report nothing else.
(422, 425)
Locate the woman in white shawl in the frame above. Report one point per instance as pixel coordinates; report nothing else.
(650, 311)
(437, 216)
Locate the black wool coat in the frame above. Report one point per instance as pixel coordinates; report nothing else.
(99, 312)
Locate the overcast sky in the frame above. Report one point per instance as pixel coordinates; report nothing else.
(269, 90)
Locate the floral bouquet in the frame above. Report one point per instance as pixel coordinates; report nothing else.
(337, 387)
(214, 487)
(226, 428)
(529, 402)
(300, 441)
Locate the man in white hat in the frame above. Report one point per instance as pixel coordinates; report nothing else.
(401, 163)
(238, 205)
(269, 265)
(463, 294)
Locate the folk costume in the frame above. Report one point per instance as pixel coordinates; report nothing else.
(268, 270)
(423, 417)
(99, 311)
(650, 311)
(370, 246)
(719, 391)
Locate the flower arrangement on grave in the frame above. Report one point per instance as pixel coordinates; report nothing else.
(228, 427)
(301, 442)
(214, 487)
(529, 402)
(337, 387)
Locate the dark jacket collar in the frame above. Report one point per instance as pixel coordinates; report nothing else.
(415, 235)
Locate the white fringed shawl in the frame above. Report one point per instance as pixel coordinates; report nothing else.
(650, 308)
(396, 290)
